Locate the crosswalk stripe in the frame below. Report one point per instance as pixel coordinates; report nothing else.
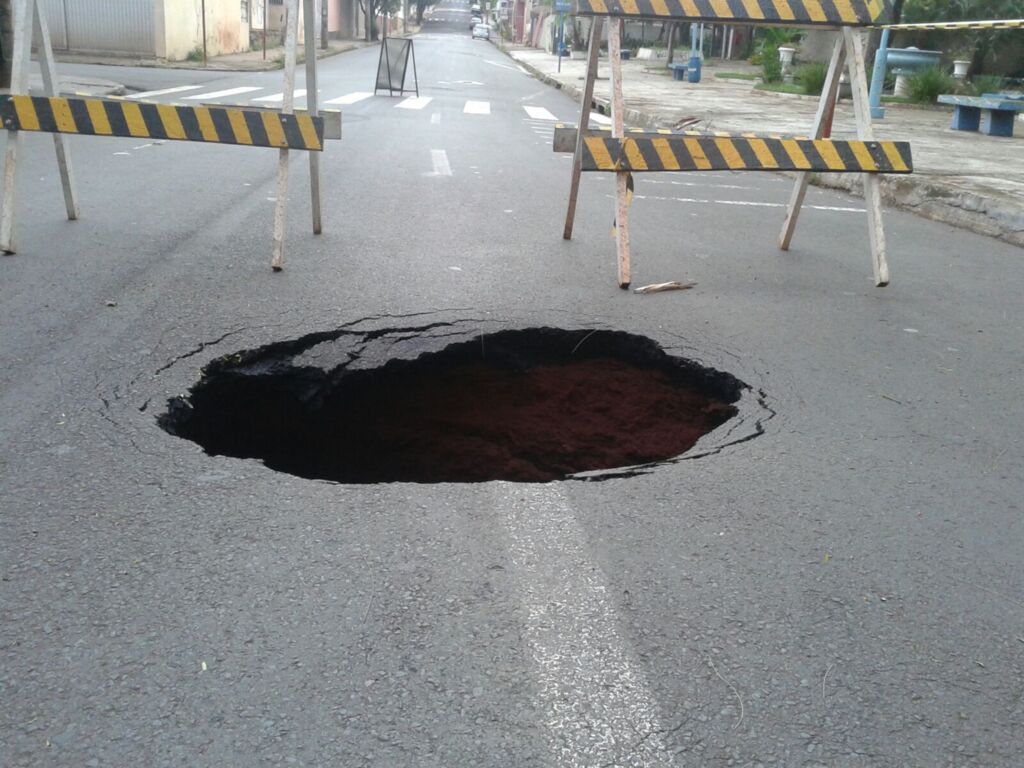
(539, 113)
(418, 102)
(440, 160)
(350, 98)
(222, 94)
(600, 119)
(276, 97)
(164, 91)
(477, 108)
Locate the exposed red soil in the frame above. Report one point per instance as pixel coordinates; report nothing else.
(475, 422)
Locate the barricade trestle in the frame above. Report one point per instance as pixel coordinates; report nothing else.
(626, 152)
(284, 130)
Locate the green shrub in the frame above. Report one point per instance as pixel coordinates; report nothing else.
(926, 86)
(811, 78)
(985, 84)
(771, 67)
(196, 54)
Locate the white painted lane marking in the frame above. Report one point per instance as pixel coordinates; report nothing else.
(748, 203)
(696, 184)
(599, 710)
(435, 119)
(600, 119)
(164, 91)
(477, 108)
(499, 64)
(539, 113)
(440, 160)
(350, 98)
(228, 92)
(417, 102)
(299, 93)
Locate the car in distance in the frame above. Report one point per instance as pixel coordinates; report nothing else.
(474, 21)
(482, 31)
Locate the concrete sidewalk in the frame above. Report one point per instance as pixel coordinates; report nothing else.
(246, 61)
(965, 179)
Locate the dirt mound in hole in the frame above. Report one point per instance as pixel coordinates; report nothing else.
(513, 406)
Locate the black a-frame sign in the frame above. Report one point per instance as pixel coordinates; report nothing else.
(393, 66)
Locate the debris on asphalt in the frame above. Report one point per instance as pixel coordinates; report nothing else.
(674, 285)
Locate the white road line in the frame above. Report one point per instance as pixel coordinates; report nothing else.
(164, 91)
(228, 92)
(599, 710)
(477, 108)
(697, 184)
(539, 113)
(747, 203)
(435, 119)
(350, 98)
(280, 96)
(418, 102)
(600, 119)
(499, 64)
(440, 159)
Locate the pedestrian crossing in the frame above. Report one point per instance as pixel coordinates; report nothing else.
(540, 119)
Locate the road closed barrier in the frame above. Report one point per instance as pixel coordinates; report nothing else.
(627, 152)
(142, 120)
(284, 130)
(691, 151)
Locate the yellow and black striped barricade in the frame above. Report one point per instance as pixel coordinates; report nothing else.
(829, 13)
(953, 26)
(642, 151)
(284, 130)
(625, 152)
(143, 120)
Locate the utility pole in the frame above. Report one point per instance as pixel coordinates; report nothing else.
(324, 16)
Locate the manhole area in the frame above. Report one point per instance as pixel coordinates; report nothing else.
(532, 406)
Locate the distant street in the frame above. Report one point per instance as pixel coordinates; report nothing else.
(843, 590)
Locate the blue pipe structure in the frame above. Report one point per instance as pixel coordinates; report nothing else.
(878, 77)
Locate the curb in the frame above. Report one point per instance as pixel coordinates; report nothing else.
(935, 200)
(212, 65)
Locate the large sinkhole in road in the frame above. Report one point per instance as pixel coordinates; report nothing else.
(529, 405)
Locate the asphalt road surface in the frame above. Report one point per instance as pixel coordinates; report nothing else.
(843, 590)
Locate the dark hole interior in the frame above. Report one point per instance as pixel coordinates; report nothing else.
(532, 405)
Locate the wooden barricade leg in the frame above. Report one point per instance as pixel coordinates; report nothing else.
(312, 106)
(826, 107)
(618, 132)
(24, 11)
(281, 205)
(872, 182)
(596, 24)
(51, 87)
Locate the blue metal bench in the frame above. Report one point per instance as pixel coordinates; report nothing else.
(678, 71)
(992, 114)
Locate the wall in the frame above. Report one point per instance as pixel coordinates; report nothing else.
(182, 28)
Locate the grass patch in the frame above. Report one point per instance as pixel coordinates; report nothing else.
(736, 76)
(780, 88)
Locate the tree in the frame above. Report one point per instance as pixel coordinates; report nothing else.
(6, 42)
(421, 6)
(373, 8)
